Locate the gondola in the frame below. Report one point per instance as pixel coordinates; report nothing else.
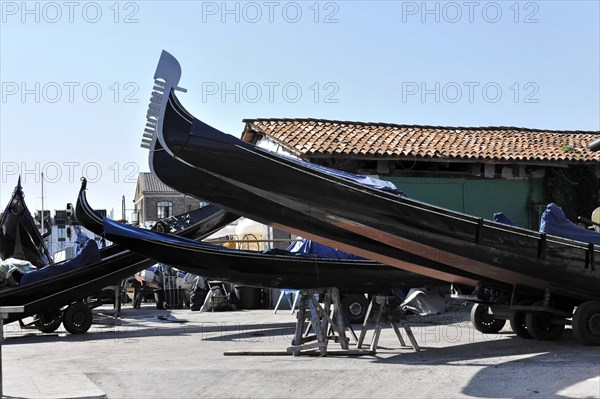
(558, 274)
(178, 175)
(196, 182)
(276, 269)
(19, 236)
(43, 297)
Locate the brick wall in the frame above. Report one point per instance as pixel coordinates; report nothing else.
(180, 205)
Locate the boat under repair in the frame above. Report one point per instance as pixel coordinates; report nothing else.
(540, 281)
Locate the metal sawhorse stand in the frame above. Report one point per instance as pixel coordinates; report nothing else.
(4, 312)
(326, 321)
(390, 311)
(295, 294)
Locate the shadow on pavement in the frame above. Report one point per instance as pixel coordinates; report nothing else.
(532, 367)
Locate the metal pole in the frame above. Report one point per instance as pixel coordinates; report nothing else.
(123, 216)
(42, 218)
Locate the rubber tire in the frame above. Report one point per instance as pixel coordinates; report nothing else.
(540, 328)
(483, 322)
(586, 315)
(78, 318)
(518, 323)
(355, 307)
(49, 322)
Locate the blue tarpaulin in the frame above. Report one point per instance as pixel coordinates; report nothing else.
(89, 254)
(81, 239)
(311, 248)
(556, 223)
(500, 217)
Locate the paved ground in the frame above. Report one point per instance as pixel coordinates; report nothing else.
(179, 353)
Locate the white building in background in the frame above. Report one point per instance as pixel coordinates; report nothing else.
(62, 241)
(246, 234)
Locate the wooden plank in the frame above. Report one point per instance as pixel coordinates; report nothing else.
(349, 352)
(256, 353)
(298, 348)
(364, 328)
(397, 331)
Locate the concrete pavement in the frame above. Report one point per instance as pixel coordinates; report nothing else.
(179, 353)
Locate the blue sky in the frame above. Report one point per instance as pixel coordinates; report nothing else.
(76, 77)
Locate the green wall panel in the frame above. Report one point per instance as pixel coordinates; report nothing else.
(477, 197)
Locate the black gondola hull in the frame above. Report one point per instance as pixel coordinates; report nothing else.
(203, 184)
(505, 254)
(19, 236)
(258, 269)
(474, 246)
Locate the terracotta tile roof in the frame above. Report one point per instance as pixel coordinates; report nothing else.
(150, 184)
(317, 137)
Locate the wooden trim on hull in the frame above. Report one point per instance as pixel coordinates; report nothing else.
(378, 257)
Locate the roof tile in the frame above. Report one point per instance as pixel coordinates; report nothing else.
(307, 137)
(150, 184)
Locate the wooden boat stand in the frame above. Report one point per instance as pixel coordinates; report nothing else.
(390, 311)
(320, 320)
(318, 324)
(328, 323)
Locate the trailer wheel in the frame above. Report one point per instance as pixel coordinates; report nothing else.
(49, 322)
(586, 323)
(78, 318)
(518, 323)
(355, 307)
(485, 322)
(540, 325)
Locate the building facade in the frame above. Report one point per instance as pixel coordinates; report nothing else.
(65, 232)
(154, 200)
